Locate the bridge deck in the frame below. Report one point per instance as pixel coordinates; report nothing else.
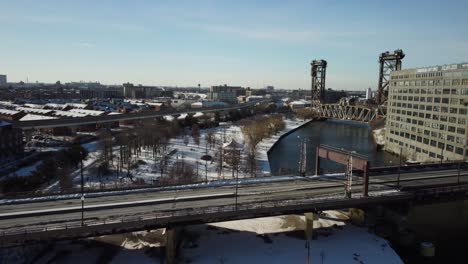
(123, 213)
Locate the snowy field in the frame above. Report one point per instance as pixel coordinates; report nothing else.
(184, 148)
(263, 240)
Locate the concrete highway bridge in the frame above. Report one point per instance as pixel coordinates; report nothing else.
(90, 120)
(34, 219)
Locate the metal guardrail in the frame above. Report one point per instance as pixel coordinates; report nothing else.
(202, 212)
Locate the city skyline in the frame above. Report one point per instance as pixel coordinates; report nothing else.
(212, 43)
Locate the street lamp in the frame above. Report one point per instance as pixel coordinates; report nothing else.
(399, 169)
(206, 158)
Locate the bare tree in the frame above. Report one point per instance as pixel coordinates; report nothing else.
(196, 134)
(182, 173)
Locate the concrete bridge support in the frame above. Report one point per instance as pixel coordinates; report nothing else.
(309, 229)
(357, 216)
(172, 242)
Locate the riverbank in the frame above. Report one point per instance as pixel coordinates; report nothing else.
(266, 145)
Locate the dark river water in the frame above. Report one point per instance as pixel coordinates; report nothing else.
(444, 224)
(284, 157)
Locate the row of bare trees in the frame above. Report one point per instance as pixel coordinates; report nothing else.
(254, 131)
(307, 113)
(152, 136)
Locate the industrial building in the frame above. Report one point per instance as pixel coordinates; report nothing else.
(3, 80)
(427, 113)
(11, 141)
(225, 93)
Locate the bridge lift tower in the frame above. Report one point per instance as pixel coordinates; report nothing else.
(318, 73)
(388, 63)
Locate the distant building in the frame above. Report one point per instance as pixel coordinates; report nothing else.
(427, 113)
(11, 115)
(3, 79)
(144, 92)
(333, 96)
(225, 93)
(295, 105)
(11, 141)
(368, 93)
(99, 93)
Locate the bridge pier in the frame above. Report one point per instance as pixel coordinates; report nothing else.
(309, 229)
(357, 216)
(172, 239)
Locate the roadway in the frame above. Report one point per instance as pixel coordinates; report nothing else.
(49, 213)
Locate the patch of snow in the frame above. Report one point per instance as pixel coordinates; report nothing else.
(258, 241)
(379, 136)
(26, 171)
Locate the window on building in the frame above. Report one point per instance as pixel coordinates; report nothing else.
(449, 148)
(440, 145)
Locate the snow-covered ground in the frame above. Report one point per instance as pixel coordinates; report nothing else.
(184, 148)
(148, 170)
(281, 240)
(263, 240)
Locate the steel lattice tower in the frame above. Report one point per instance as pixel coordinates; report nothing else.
(318, 73)
(388, 63)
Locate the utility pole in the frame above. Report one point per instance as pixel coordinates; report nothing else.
(442, 155)
(82, 210)
(82, 192)
(237, 183)
(458, 174)
(349, 175)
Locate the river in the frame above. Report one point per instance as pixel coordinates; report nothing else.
(285, 155)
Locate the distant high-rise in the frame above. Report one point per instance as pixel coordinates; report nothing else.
(368, 93)
(427, 114)
(3, 79)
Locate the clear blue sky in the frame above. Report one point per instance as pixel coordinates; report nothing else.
(242, 42)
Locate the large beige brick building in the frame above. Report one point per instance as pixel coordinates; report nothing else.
(427, 113)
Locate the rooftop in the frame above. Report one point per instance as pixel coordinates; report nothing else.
(445, 67)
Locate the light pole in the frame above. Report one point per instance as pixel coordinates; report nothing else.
(237, 183)
(82, 210)
(82, 178)
(399, 170)
(442, 155)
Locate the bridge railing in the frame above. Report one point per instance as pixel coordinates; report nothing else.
(168, 216)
